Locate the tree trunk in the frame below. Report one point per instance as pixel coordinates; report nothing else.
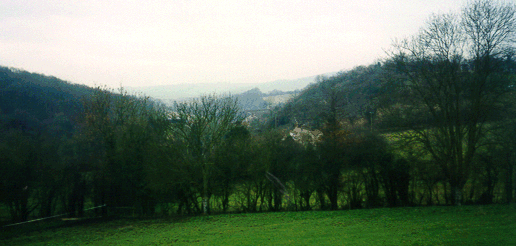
(333, 196)
(509, 173)
(205, 189)
(456, 192)
(321, 199)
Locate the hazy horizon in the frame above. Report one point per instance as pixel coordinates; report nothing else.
(134, 44)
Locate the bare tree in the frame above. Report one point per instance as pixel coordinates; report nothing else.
(452, 76)
(490, 27)
(201, 126)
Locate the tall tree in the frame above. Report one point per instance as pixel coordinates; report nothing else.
(453, 76)
(332, 147)
(200, 127)
(121, 127)
(19, 153)
(232, 160)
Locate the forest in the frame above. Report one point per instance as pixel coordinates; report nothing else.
(433, 123)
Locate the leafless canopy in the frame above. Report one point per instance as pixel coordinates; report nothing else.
(452, 71)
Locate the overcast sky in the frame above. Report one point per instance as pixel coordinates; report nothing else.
(140, 43)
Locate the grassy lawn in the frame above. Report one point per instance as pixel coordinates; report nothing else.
(466, 225)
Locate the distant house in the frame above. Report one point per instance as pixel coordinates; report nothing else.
(173, 117)
(305, 136)
(250, 118)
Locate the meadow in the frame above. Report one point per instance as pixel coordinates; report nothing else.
(440, 225)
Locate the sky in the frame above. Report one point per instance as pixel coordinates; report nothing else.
(148, 43)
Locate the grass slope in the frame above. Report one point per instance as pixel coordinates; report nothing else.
(466, 225)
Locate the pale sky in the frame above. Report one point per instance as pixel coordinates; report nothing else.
(143, 43)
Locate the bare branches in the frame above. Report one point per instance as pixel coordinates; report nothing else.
(445, 86)
(203, 123)
(443, 38)
(490, 27)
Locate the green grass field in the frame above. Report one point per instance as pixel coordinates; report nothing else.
(466, 225)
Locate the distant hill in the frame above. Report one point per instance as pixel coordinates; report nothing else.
(357, 90)
(39, 98)
(367, 98)
(290, 85)
(252, 100)
(169, 93)
(255, 99)
(31, 101)
(40, 95)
